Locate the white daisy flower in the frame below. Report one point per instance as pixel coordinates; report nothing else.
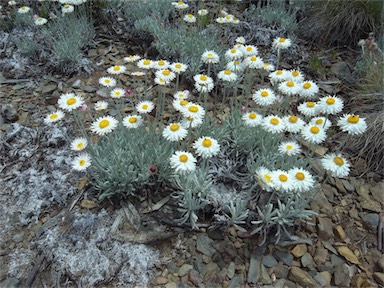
(308, 89)
(193, 110)
(293, 124)
(227, 75)
(273, 124)
(165, 74)
(331, 105)
(229, 18)
(161, 81)
(204, 87)
(202, 12)
(107, 81)
(253, 62)
(296, 76)
(268, 67)
(313, 134)
(281, 43)
(183, 162)
(138, 73)
(235, 66)
(54, 117)
(252, 119)
(181, 95)
(104, 125)
(180, 5)
(145, 107)
(178, 68)
(81, 162)
(263, 177)
(117, 69)
(352, 124)
(303, 181)
(282, 181)
(23, 10)
(145, 64)
(40, 21)
(101, 105)
(179, 104)
(322, 122)
(174, 132)
(202, 79)
(66, 9)
(131, 58)
(161, 64)
(233, 54)
(289, 88)
(133, 121)
(79, 144)
(190, 122)
(210, 57)
(235, 21)
(309, 109)
(206, 147)
(264, 97)
(250, 50)
(240, 40)
(289, 148)
(336, 164)
(189, 18)
(220, 20)
(70, 101)
(278, 76)
(117, 93)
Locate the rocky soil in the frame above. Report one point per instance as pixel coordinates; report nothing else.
(54, 233)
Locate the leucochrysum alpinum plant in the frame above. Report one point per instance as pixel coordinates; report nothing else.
(232, 142)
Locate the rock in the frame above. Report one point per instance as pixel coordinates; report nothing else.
(254, 271)
(340, 186)
(90, 89)
(325, 228)
(285, 257)
(341, 70)
(161, 280)
(371, 221)
(371, 205)
(204, 245)
(231, 270)
(362, 281)
(299, 250)
(348, 185)
(329, 247)
(340, 233)
(348, 254)
(379, 277)
(264, 277)
(216, 233)
(301, 277)
(321, 203)
(18, 237)
(336, 260)
(11, 283)
(307, 261)
(281, 271)
(184, 269)
(377, 191)
(363, 190)
(195, 278)
(269, 261)
(353, 213)
(321, 255)
(88, 204)
(8, 114)
(236, 281)
(323, 278)
(209, 270)
(76, 84)
(48, 88)
(171, 285)
(3, 273)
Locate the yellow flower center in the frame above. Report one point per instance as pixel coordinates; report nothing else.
(292, 119)
(180, 2)
(107, 81)
(117, 93)
(289, 147)
(193, 109)
(207, 143)
(39, 19)
(264, 94)
(267, 178)
(252, 116)
(82, 162)
(300, 176)
(249, 49)
(253, 58)
(227, 72)
(279, 72)
(290, 83)
(210, 55)
(71, 101)
(104, 123)
(283, 178)
(116, 68)
(166, 72)
(295, 73)
(233, 51)
(66, 6)
(178, 66)
(281, 40)
(330, 101)
(319, 121)
(132, 120)
(80, 145)
(23, 8)
(183, 158)
(315, 130)
(265, 64)
(274, 121)
(190, 15)
(146, 62)
(144, 106)
(203, 78)
(54, 116)
(353, 119)
(307, 85)
(183, 102)
(338, 161)
(174, 127)
(310, 104)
